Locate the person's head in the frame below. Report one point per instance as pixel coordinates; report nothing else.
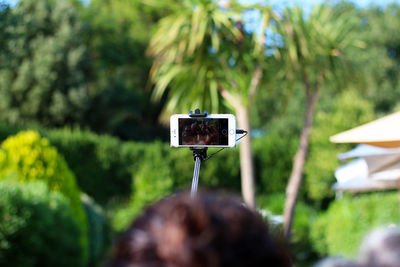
(206, 230)
(381, 248)
(337, 262)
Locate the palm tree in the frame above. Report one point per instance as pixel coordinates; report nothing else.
(203, 57)
(315, 52)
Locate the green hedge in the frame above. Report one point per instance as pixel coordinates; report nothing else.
(28, 157)
(162, 170)
(341, 228)
(7, 130)
(99, 234)
(106, 168)
(301, 248)
(273, 161)
(37, 227)
(274, 204)
(102, 166)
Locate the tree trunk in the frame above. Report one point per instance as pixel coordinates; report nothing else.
(246, 157)
(299, 159)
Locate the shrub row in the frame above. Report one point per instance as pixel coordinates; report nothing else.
(106, 167)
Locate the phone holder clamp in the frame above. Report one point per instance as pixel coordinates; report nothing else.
(197, 114)
(199, 154)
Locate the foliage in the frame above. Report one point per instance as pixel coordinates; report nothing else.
(119, 32)
(43, 57)
(279, 111)
(101, 163)
(347, 110)
(28, 157)
(98, 231)
(105, 167)
(341, 228)
(6, 130)
(204, 46)
(4, 20)
(122, 215)
(161, 171)
(273, 204)
(379, 30)
(45, 64)
(274, 153)
(316, 49)
(153, 178)
(208, 50)
(37, 227)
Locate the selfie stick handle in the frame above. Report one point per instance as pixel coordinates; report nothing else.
(199, 155)
(195, 180)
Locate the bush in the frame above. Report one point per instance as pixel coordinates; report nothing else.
(102, 166)
(273, 204)
(160, 171)
(151, 178)
(341, 228)
(273, 161)
(28, 157)
(221, 172)
(105, 167)
(98, 231)
(7, 130)
(304, 215)
(37, 227)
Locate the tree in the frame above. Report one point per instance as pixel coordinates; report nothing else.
(315, 51)
(204, 56)
(119, 32)
(4, 14)
(381, 59)
(44, 64)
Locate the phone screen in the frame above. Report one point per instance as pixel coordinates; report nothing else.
(203, 131)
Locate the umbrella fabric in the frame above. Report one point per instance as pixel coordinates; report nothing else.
(373, 169)
(367, 150)
(384, 132)
(354, 177)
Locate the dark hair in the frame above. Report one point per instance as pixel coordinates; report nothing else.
(206, 230)
(336, 261)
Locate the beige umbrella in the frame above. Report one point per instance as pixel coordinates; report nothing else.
(384, 132)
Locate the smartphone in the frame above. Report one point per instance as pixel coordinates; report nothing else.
(215, 130)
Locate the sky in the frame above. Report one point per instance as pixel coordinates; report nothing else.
(305, 3)
(310, 3)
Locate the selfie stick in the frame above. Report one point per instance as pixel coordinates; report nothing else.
(199, 154)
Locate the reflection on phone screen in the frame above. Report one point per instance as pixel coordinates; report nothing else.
(203, 131)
